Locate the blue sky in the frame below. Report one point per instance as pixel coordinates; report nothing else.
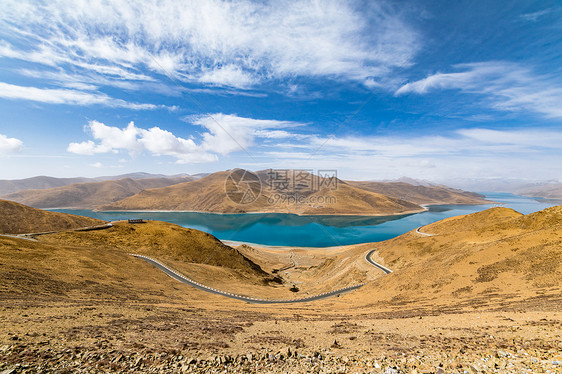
(435, 90)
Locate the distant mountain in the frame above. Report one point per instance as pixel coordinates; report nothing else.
(208, 195)
(9, 186)
(138, 175)
(510, 185)
(547, 191)
(89, 195)
(412, 181)
(18, 219)
(42, 182)
(200, 175)
(421, 194)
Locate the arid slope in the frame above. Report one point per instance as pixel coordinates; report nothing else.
(161, 240)
(491, 258)
(18, 219)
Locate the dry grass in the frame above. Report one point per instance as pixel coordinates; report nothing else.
(488, 259)
(164, 241)
(17, 219)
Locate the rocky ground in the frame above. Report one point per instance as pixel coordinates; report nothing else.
(80, 337)
(24, 358)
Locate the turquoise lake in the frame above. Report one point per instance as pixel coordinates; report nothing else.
(316, 231)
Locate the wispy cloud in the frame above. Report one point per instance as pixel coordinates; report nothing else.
(473, 142)
(509, 86)
(9, 145)
(215, 42)
(89, 81)
(473, 152)
(69, 97)
(224, 134)
(534, 16)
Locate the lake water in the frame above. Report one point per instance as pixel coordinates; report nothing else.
(316, 231)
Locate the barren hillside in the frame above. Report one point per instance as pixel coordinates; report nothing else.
(491, 258)
(17, 218)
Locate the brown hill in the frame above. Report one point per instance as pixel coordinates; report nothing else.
(89, 195)
(17, 219)
(209, 194)
(421, 194)
(87, 264)
(496, 257)
(160, 240)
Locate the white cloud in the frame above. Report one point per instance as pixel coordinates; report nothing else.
(162, 142)
(10, 145)
(83, 148)
(68, 96)
(509, 86)
(228, 133)
(215, 42)
(224, 134)
(228, 76)
(111, 139)
(97, 165)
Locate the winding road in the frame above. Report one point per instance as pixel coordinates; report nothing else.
(422, 233)
(254, 300)
(179, 277)
(370, 261)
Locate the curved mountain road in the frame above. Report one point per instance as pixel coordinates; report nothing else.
(177, 276)
(422, 233)
(181, 278)
(376, 264)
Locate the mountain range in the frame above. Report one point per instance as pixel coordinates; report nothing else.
(91, 194)
(208, 195)
(228, 192)
(8, 186)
